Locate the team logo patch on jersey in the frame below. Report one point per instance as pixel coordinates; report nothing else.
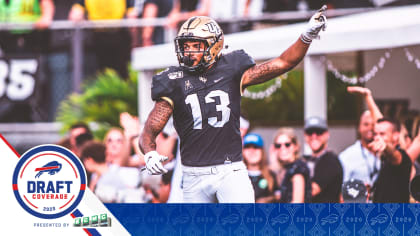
(176, 75)
(188, 85)
(202, 79)
(49, 181)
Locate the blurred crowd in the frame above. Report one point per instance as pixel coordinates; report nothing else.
(110, 47)
(378, 167)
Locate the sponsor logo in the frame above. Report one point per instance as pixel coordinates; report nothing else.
(217, 80)
(101, 220)
(49, 181)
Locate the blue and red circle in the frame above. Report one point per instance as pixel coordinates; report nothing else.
(49, 168)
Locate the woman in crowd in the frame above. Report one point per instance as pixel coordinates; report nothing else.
(293, 176)
(263, 180)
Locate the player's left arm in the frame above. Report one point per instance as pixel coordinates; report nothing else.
(288, 59)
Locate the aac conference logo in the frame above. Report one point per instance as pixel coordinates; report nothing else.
(49, 181)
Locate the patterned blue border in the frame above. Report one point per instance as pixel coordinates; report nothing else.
(268, 219)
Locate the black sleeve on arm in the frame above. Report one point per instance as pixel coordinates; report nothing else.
(162, 86)
(242, 61)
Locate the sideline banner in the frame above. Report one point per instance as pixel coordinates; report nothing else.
(43, 193)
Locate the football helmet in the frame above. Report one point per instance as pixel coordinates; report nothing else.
(201, 29)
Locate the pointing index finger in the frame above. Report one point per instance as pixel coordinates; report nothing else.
(320, 12)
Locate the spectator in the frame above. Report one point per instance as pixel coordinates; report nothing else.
(64, 142)
(112, 46)
(357, 161)
(392, 184)
(154, 8)
(131, 128)
(93, 158)
(294, 174)
(325, 168)
(162, 194)
(27, 44)
(114, 183)
(117, 147)
(184, 9)
(40, 12)
(117, 150)
(165, 187)
(271, 6)
(412, 147)
(76, 130)
(263, 180)
(82, 139)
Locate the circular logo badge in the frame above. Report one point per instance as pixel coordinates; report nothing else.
(49, 181)
(263, 184)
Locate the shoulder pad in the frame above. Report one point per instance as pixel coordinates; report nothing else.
(164, 82)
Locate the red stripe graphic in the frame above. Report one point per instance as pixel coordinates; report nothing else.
(10, 146)
(15, 187)
(83, 187)
(67, 202)
(47, 168)
(30, 202)
(87, 231)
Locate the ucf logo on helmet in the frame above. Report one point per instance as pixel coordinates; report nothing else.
(49, 181)
(213, 28)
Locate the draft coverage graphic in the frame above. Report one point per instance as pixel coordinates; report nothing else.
(49, 181)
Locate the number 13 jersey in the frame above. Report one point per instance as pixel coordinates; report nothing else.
(206, 109)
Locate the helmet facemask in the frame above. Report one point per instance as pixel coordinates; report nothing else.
(199, 29)
(184, 57)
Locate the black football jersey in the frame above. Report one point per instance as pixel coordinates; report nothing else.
(206, 109)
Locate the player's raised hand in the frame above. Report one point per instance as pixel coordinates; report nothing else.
(317, 23)
(154, 163)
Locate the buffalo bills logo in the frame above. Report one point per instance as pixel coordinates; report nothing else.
(51, 168)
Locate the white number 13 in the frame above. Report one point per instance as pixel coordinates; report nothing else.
(192, 99)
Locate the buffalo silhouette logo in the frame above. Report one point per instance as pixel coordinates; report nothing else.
(51, 168)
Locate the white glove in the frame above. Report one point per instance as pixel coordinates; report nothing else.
(154, 163)
(317, 22)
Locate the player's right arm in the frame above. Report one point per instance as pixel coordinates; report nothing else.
(155, 123)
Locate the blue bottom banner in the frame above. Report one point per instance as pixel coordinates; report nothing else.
(268, 219)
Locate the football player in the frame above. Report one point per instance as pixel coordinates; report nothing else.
(203, 94)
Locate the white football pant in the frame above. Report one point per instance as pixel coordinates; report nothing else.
(226, 183)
